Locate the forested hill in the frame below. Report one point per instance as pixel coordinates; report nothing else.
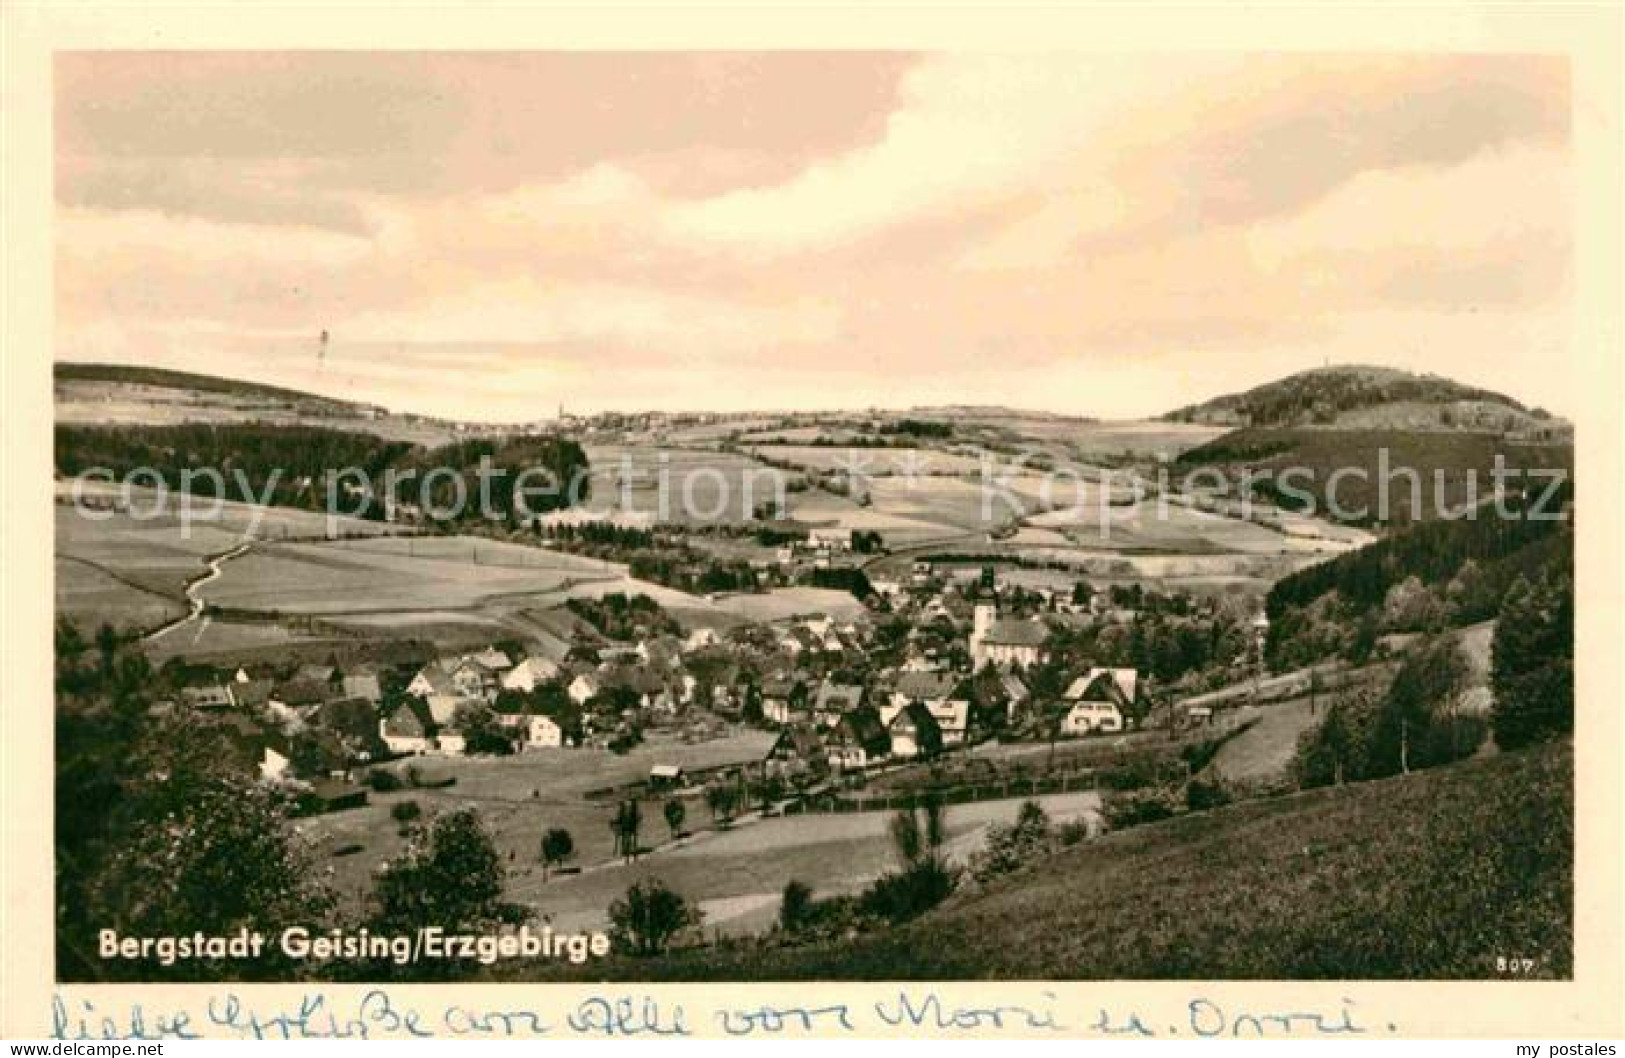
(288, 465)
(1369, 397)
(1424, 578)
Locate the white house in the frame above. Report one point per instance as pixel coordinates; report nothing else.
(410, 728)
(1005, 642)
(701, 638)
(535, 730)
(942, 693)
(493, 660)
(273, 762)
(583, 687)
(525, 676)
(1098, 701)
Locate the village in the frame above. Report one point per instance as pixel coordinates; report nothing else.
(946, 658)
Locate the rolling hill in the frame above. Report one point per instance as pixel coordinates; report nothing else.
(1427, 876)
(1363, 397)
(163, 378)
(97, 395)
(1376, 476)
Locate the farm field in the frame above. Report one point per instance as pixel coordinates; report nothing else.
(91, 596)
(736, 875)
(522, 796)
(873, 462)
(769, 438)
(1129, 441)
(102, 402)
(147, 507)
(678, 484)
(820, 508)
(212, 638)
(1150, 525)
(782, 603)
(158, 555)
(386, 576)
(1265, 751)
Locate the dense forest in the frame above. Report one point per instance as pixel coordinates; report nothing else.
(1427, 577)
(288, 466)
(1370, 477)
(537, 474)
(625, 618)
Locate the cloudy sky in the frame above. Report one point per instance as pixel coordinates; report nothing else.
(487, 236)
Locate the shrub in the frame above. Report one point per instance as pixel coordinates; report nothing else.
(1072, 832)
(384, 781)
(1010, 847)
(405, 811)
(1203, 794)
(909, 893)
(795, 907)
(557, 846)
(1133, 807)
(644, 921)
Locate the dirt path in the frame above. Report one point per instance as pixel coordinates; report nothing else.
(193, 599)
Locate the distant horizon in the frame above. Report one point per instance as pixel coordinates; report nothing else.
(809, 409)
(1113, 235)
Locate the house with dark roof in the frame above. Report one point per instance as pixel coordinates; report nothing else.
(317, 673)
(333, 795)
(1099, 701)
(798, 748)
(784, 700)
(858, 740)
(946, 695)
(409, 728)
(299, 693)
(835, 700)
(252, 694)
(213, 694)
(914, 732)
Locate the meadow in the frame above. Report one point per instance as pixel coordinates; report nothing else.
(519, 798)
(385, 576)
(782, 603)
(1429, 876)
(678, 484)
(873, 461)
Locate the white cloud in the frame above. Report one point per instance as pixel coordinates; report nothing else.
(969, 128)
(1495, 197)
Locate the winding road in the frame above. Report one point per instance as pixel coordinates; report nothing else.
(193, 600)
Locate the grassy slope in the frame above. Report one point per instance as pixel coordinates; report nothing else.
(154, 376)
(1325, 451)
(1430, 876)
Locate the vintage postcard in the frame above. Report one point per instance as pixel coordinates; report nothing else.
(659, 532)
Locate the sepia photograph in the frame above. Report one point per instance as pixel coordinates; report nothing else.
(759, 516)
